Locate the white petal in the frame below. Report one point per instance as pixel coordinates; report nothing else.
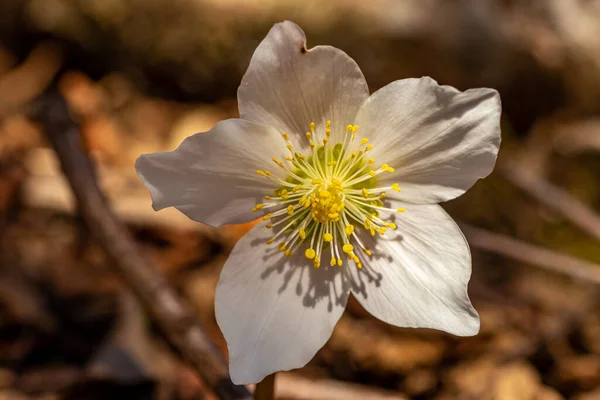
(288, 86)
(417, 276)
(438, 139)
(211, 177)
(274, 312)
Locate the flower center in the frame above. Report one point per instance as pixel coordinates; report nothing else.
(327, 194)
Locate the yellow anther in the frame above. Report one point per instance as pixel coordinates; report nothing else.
(382, 196)
(310, 254)
(331, 163)
(282, 247)
(267, 216)
(396, 187)
(290, 209)
(258, 207)
(387, 168)
(316, 262)
(268, 173)
(268, 226)
(289, 158)
(358, 265)
(270, 240)
(365, 193)
(332, 262)
(348, 128)
(308, 135)
(382, 231)
(276, 161)
(336, 182)
(372, 173)
(364, 141)
(284, 194)
(349, 229)
(371, 160)
(312, 145)
(328, 237)
(367, 224)
(392, 226)
(316, 181)
(354, 128)
(268, 197)
(261, 173)
(333, 216)
(285, 136)
(296, 188)
(347, 248)
(312, 127)
(325, 140)
(302, 233)
(340, 262)
(367, 251)
(289, 147)
(372, 230)
(288, 253)
(369, 147)
(328, 132)
(401, 210)
(328, 124)
(353, 154)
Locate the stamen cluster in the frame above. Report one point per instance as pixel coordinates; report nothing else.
(327, 194)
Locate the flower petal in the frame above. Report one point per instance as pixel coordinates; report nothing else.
(288, 86)
(439, 140)
(211, 177)
(418, 274)
(274, 312)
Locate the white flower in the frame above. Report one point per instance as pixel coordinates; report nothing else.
(347, 185)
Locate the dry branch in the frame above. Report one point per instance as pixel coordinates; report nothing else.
(531, 254)
(171, 313)
(574, 210)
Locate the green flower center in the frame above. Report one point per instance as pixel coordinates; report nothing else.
(325, 196)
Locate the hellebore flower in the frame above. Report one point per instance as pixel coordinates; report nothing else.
(346, 185)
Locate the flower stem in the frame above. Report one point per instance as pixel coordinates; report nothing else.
(265, 389)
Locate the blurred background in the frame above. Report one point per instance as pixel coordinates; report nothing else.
(141, 75)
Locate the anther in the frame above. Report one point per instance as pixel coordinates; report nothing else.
(396, 187)
(347, 248)
(261, 173)
(310, 253)
(401, 210)
(302, 233)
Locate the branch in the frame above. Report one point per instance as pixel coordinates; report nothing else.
(577, 212)
(531, 254)
(171, 313)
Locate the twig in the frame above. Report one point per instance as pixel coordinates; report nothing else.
(294, 387)
(531, 254)
(577, 212)
(171, 313)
